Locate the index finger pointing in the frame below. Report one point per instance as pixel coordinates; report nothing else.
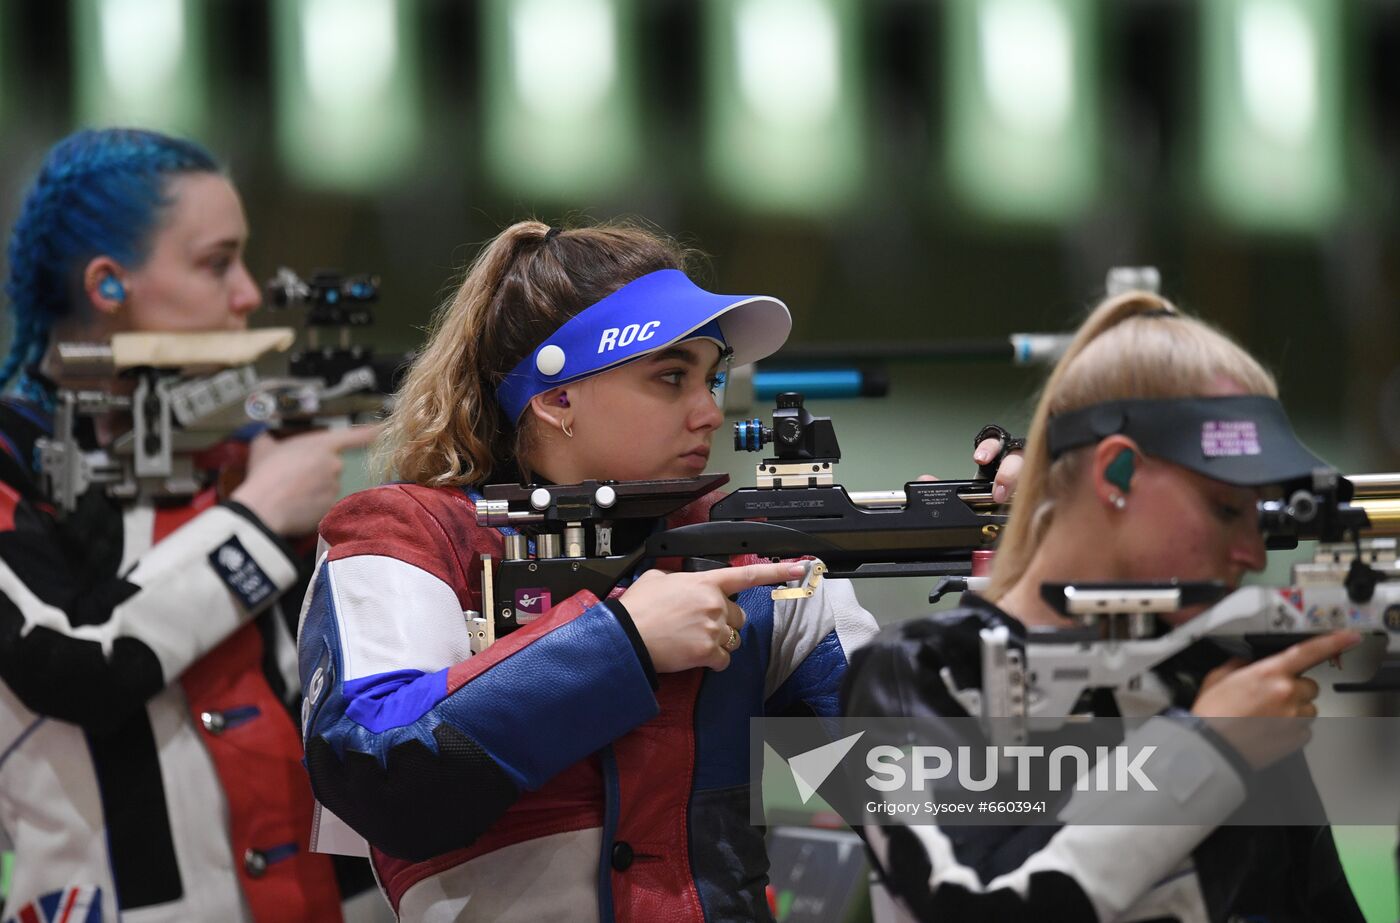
(1305, 655)
(353, 437)
(733, 579)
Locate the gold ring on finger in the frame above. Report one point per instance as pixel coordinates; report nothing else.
(731, 644)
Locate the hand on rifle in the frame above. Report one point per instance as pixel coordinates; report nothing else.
(688, 620)
(1272, 687)
(293, 482)
(1008, 472)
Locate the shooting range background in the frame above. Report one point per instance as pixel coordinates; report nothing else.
(896, 170)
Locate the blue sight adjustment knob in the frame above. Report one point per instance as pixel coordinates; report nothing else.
(751, 435)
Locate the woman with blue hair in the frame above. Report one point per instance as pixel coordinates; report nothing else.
(148, 764)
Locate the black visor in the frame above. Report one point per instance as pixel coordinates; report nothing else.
(1245, 441)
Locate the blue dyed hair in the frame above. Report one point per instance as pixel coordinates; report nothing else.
(98, 193)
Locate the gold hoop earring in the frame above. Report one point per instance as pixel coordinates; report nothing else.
(567, 432)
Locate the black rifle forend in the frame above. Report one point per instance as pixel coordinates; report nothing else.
(932, 532)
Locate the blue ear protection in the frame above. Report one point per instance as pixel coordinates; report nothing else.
(111, 287)
(1119, 472)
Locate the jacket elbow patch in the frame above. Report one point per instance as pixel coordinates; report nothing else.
(419, 804)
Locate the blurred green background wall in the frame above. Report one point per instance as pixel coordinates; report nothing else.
(907, 171)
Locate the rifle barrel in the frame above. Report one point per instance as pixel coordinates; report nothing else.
(1384, 516)
(1379, 496)
(1376, 486)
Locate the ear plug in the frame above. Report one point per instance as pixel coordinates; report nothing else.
(111, 287)
(1119, 472)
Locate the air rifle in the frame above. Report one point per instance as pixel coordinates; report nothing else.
(1353, 582)
(183, 393)
(565, 537)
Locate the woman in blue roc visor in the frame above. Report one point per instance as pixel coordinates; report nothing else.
(1149, 447)
(592, 765)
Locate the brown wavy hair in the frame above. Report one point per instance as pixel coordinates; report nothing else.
(446, 428)
(1132, 346)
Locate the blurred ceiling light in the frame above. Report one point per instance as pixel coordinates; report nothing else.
(561, 107)
(788, 58)
(1278, 70)
(141, 43)
(1022, 106)
(348, 113)
(138, 63)
(1273, 109)
(782, 107)
(348, 48)
(1027, 71)
(564, 54)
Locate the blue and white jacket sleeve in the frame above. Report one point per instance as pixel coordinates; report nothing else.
(412, 741)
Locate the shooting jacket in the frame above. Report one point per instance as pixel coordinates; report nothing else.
(148, 761)
(1070, 873)
(555, 775)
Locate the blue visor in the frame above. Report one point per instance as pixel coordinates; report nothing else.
(650, 313)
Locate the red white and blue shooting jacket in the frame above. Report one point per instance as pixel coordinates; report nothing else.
(553, 776)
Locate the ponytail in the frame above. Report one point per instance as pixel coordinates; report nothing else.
(1132, 346)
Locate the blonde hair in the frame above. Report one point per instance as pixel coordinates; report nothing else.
(1133, 346)
(447, 428)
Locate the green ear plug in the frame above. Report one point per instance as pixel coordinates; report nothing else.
(1119, 472)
